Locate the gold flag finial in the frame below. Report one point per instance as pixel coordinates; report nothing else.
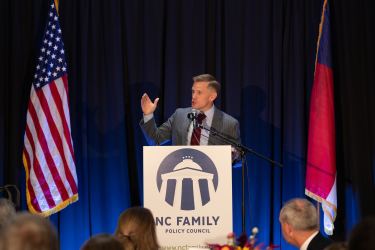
(57, 6)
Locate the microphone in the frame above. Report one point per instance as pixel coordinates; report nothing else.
(193, 117)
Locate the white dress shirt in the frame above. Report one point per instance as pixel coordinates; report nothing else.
(207, 122)
(308, 240)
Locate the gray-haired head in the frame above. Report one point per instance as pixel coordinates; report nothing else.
(300, 214)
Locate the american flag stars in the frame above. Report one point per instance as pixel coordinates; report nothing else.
(48, 154)
(51, 63)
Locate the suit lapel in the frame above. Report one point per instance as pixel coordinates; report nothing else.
(185, 128)
(216, 124)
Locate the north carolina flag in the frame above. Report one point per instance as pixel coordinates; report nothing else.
(48, 156)
(321, 154)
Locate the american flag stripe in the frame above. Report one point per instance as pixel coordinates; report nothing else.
(46, 98)
(66, 107)
(36, 170)
(31, 194)
(43, 174)
(59, 93)
(48, 150)
(35, 189)
(43, 136)
(65, 148)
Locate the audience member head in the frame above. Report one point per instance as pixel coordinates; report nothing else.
(136, 224)
(103, 242)
(7, 211)
(299, 220)
(29, 231)
(363, 235)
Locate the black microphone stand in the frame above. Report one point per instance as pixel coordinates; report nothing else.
(243, 150)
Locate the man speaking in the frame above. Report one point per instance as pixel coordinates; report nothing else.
(179, 128)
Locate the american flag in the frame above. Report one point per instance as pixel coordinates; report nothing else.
(321, 153)
(48, 156)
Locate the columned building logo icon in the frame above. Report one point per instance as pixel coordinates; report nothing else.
(187, 179)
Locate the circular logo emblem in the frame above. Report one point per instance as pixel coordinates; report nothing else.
(187, 179)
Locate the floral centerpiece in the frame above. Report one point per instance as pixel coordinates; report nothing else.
(242, 242)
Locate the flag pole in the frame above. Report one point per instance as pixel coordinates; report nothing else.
(318, 213)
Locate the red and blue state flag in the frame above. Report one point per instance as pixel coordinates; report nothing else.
(321, 153)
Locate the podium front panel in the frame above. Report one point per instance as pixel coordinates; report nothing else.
(189, 191)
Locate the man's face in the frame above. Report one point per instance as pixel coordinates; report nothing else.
(202, 96)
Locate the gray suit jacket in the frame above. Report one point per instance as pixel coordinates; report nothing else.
(177, 126)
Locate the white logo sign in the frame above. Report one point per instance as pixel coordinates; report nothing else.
(189, 191)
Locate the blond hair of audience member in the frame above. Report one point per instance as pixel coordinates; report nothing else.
(299, 224)
(138, 226)
(7, 211)
(31, 232)
(103, 242)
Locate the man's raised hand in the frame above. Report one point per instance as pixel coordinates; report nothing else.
(147, 105)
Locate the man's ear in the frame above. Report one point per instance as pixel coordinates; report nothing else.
(288, 229)
(213, 96)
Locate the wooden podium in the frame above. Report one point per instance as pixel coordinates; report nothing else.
(189, 191)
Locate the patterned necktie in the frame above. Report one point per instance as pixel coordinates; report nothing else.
(196, 135)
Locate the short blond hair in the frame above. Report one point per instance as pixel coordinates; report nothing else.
(212, 82)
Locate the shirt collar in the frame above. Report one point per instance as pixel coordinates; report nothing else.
(308, 240)
(210, 112)
(209, 115)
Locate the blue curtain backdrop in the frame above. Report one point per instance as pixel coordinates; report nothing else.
(263, 53)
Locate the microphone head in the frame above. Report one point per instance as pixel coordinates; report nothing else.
(193, 114)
